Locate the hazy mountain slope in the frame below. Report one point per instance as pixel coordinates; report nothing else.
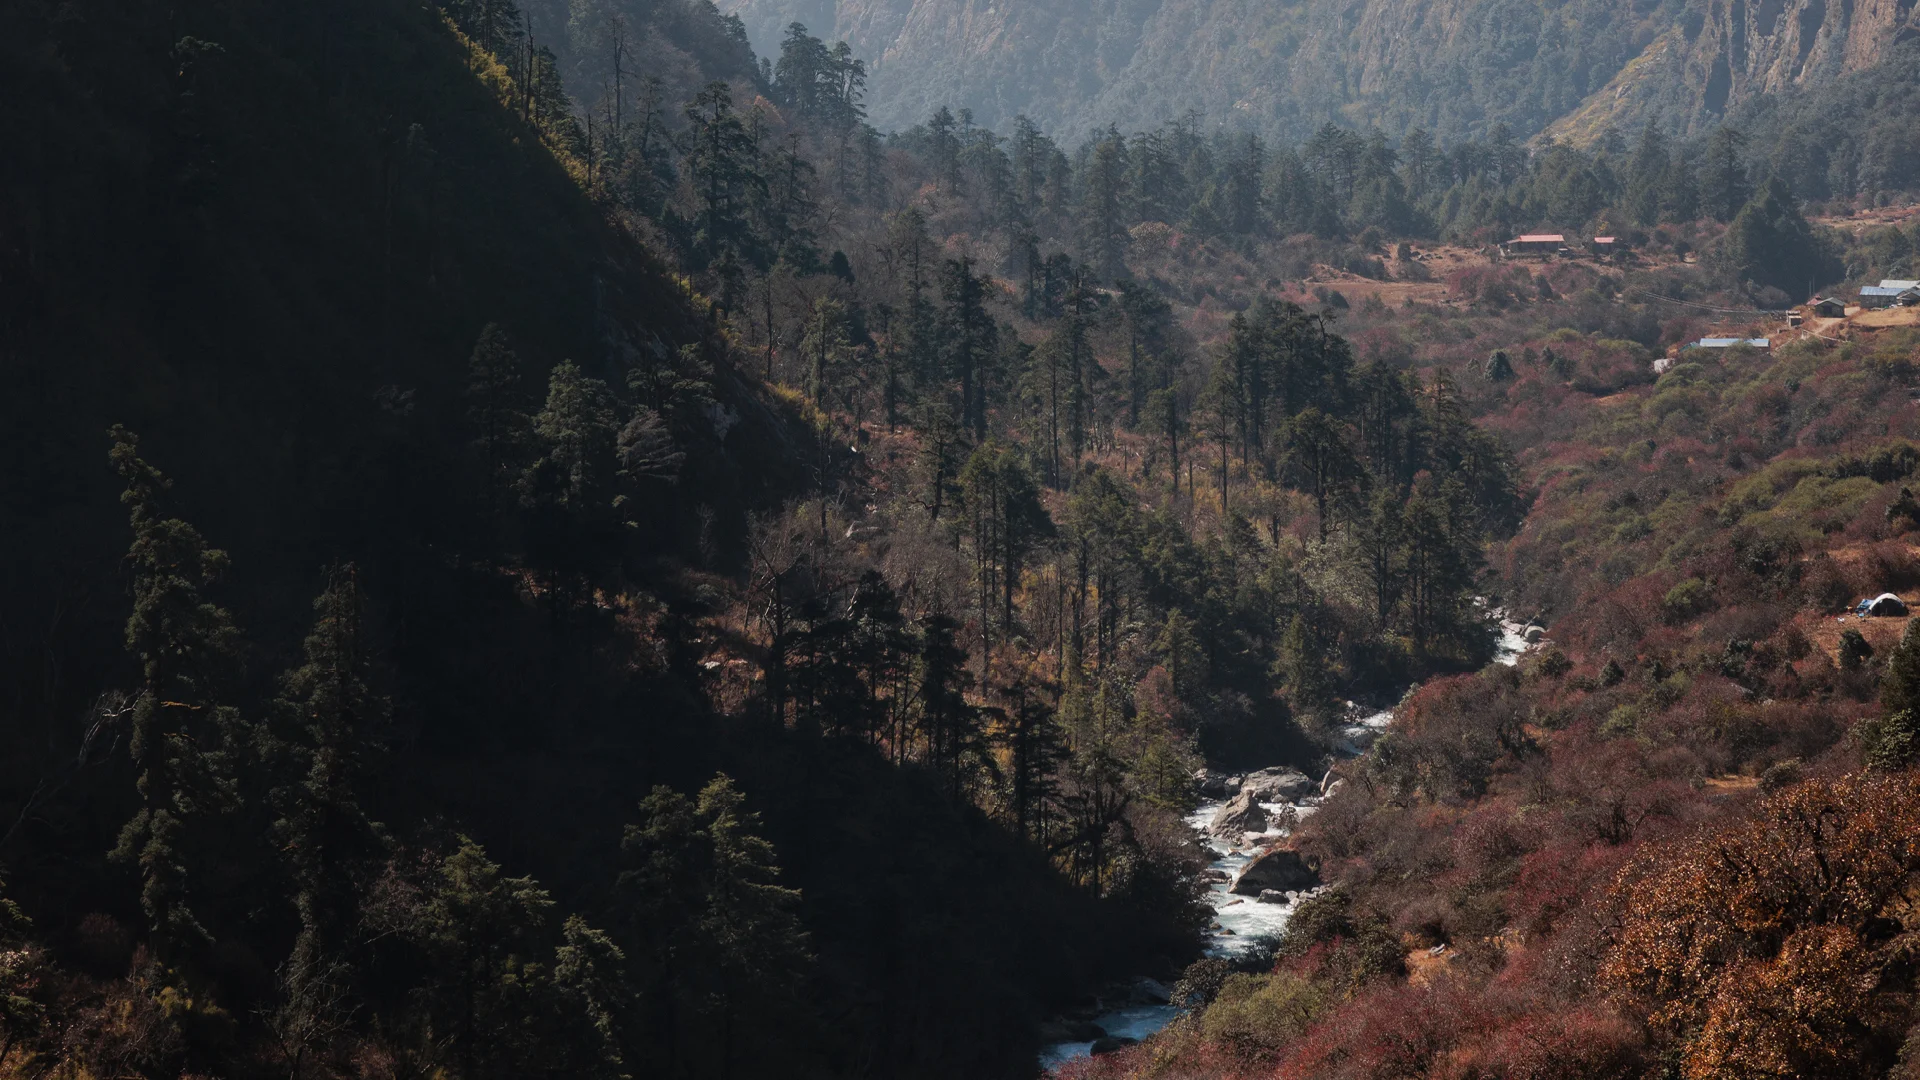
(1454, 66)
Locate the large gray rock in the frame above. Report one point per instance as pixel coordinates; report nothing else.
(1068, 1031)
(1145, 991)
(1215, 785)
(1242, 814)
(1279, 784)
(1278, 869)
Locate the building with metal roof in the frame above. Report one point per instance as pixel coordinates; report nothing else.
(1535, 244)
(1731, 342)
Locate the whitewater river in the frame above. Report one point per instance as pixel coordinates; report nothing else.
(1239, 922)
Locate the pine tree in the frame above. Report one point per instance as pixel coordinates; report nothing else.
(949, 725)
(944, 149)
(590, 1002)
(1245, 214)
(1103, 202)
(660, 891)
(940, 455)
(721, 165)
(579, 443)
(483, 931)
(1035, 751)
(1008, 521)
(1318, 456)
(1163, 416)
(971, 342)
(335, 721)
(1646, 171)
(494, 408)
(1303, 667)
(1680, 189)
(751, 920)
(1891, 741)
(716, 933)
(1770, 243)
(1146, 319)
(1419, 162)
(183, 733)
(804, 73)
(1725, 174)
(824, 347)
(1377, 543)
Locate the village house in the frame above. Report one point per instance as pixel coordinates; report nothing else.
(1826, 307)
(1880, 296)
(1535, 244)
(1731, 342)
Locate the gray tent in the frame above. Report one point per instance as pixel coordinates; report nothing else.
(1884, 604)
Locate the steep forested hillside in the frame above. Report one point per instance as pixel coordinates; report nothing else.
(342, 274)
(1454, 67)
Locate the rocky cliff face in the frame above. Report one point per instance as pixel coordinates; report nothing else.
(1457, 67)
(1726, 52)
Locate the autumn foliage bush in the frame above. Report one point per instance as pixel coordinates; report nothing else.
(1781, 945)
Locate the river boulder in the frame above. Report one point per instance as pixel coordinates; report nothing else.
(1215, 785)
(1144, 991)
(1277, 869)
(1279, 784)
(1070, 1031)
(1242, 814)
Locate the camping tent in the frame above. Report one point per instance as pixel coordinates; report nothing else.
(1884, 604)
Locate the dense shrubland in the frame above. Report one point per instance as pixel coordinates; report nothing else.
(1677, 839)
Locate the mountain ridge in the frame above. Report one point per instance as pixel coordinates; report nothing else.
(1456, 67)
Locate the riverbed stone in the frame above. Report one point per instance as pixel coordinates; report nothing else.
(1242, 814)
(1214, 785)
(1070, 1031)
(1281, 868)
(1146, 991)
(1275, 896)
(1278, 784)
